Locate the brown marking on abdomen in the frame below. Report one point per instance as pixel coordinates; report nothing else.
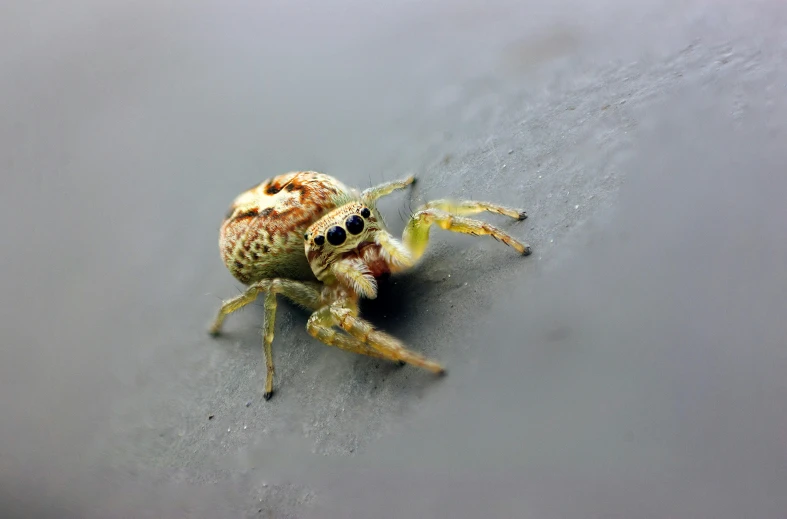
(265, 225)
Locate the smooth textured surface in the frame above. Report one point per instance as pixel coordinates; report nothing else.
(632, 366)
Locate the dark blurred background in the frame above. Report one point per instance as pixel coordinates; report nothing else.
(632, 367)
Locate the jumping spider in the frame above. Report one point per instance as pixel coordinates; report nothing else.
(308, 237)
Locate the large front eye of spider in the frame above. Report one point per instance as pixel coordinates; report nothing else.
(336, 235)
(354, 224)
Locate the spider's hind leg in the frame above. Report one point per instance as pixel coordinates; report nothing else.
(305, 294)
(232, 305)
(302, 293)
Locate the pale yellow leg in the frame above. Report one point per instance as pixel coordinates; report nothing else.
(373, 193)
(302, 293)
(232, 305)
(267, 340)
(416, 233)
(466, 207)
(320, 327)
(386, 346)
(306, 294)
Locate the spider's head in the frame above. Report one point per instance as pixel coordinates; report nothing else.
(340, 235)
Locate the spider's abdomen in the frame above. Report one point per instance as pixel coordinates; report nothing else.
(262, 234)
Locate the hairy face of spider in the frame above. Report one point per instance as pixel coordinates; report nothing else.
(342, 235)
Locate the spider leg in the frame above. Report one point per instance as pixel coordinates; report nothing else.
(232, 305)
(467, 207)
(416, 233)
(365, 339)
(267, 339)
(302, 293)
(320, 326)
(375, 192)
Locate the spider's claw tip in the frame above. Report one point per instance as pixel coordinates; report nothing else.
(401, 363)
(526, 251)
(443, 372)
(267, 395)
(522, 216)
(213, 332)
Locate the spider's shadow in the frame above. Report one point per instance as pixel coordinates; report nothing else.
(396, 298)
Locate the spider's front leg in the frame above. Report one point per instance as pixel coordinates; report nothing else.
(303, 293)
(320, 326)
(363, 338)
(448, 215)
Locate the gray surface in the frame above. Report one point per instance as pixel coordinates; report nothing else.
(633, 366)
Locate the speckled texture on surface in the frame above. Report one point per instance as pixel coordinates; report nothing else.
(632, 366)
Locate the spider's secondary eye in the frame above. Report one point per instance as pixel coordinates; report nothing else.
(306, 236)
(354, 224)
(365, 212)
(319, 240)
(336, 235)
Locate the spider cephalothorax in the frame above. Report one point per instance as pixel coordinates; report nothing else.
(350, 247)
(308, 237)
